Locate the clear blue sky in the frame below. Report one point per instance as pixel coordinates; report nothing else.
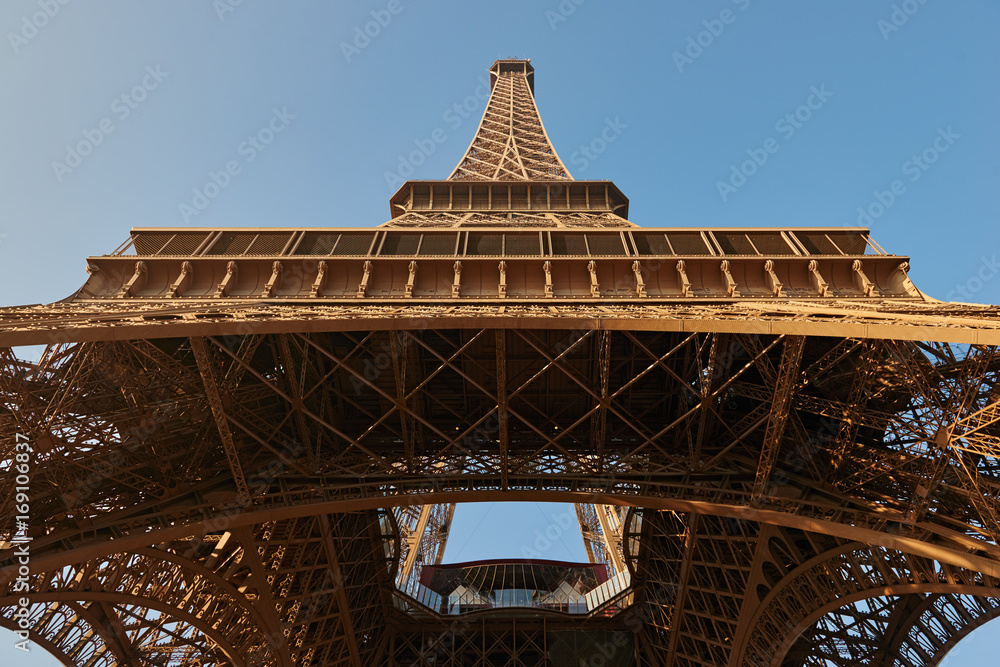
(207, 79)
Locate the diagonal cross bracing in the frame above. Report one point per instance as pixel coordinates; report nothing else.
(511, 142)
(508, 334)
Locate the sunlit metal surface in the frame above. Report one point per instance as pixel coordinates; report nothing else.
(247, 444)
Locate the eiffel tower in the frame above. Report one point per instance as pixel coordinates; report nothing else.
(244, 446)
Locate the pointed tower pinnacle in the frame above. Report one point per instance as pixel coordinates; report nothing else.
(511, 143)
(510, 176)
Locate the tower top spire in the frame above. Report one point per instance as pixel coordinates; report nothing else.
(510, 175)
(511, 143)
(513, 66)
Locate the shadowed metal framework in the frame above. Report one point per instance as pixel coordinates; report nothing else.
(246, 443)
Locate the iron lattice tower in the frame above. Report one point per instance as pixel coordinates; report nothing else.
(246, 441)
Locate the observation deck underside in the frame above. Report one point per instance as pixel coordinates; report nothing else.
(247, 443)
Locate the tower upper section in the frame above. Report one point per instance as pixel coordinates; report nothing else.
(511, 143)
(509, 223)
(510, 175)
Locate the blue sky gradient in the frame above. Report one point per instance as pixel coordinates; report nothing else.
(119, 114)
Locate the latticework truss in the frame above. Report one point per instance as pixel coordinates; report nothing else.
(540, 220)
(245, 444)
(511, 143)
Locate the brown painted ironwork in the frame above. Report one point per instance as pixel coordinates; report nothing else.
(248, 442)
